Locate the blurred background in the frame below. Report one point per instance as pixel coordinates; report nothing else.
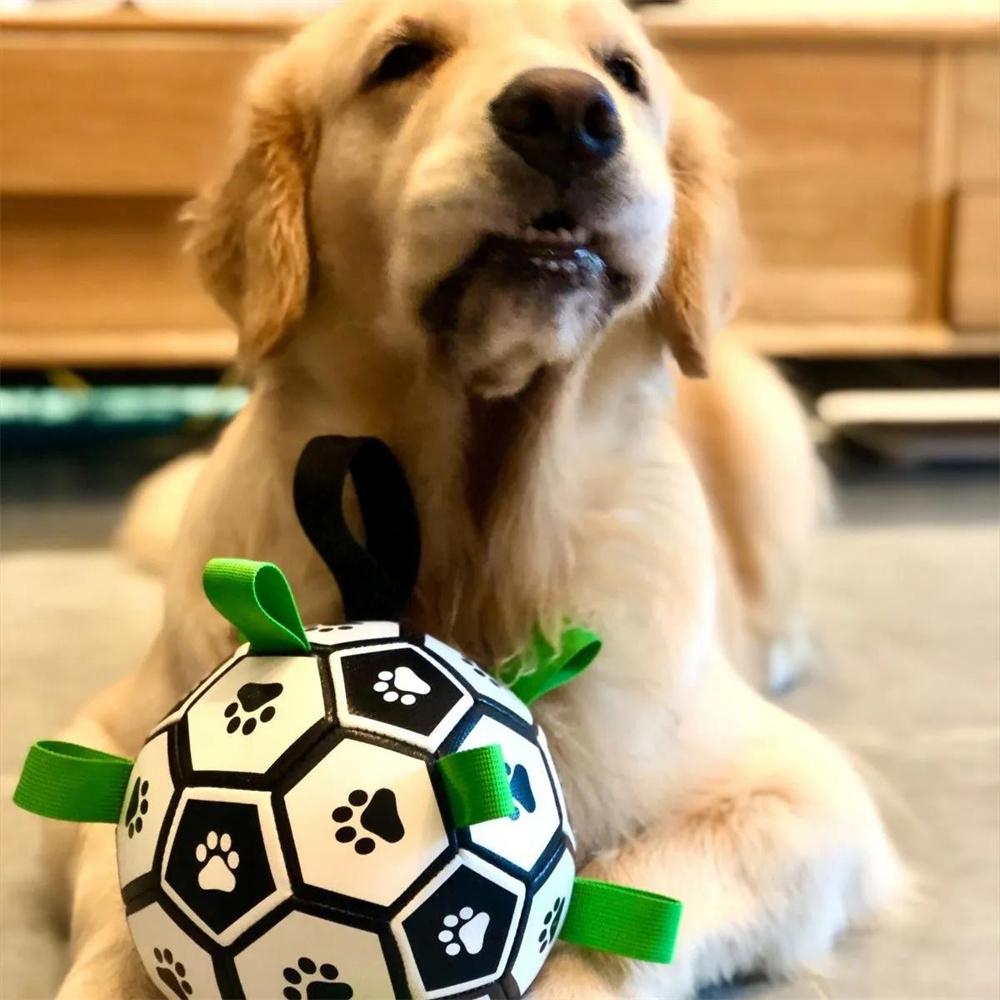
(868, 135)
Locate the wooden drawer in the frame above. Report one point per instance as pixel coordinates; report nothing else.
(97, 264)
(978, 118)
(975, 269)
(137, 112)
(974, 300)
(830, 143)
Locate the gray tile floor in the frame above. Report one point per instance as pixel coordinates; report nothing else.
(905, 596)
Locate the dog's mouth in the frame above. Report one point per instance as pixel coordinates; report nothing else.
(553, 246)
(553, 255)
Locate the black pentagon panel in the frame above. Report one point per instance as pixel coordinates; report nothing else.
(457, 933)
(399, 691)
(223, 865)
(204, 864)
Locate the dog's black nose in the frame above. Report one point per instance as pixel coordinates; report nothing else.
(560, 121)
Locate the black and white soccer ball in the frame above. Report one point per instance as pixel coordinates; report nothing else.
(284, 832)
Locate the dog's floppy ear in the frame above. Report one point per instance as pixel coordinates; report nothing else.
(248, 233)
(697, 293)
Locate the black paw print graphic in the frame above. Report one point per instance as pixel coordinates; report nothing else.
(251, 699)
(138, 806)
(551, 924)
(380, 817)
(520, 789)
(317, 983)
(171, 973)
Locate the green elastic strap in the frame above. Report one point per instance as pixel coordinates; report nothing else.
(541, 667)
(477, 785)
(256, 598)
(622, 921)
(66, 781)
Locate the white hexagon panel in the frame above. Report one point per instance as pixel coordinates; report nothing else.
(483, 683)
(177, 712)
(365, 822)
(543, 743)
(520, 839)
(147, 799)
(176, 965)
(351, 632)
(254, 712)
(546, 914)
(223, 864)
(457, 933)
(305, 956)
(397, 690)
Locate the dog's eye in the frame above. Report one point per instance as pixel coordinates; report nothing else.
(625, 73)
(401, 61)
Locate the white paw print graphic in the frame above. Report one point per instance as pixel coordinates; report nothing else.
(465, 932)
(218, 862)
(401, 685)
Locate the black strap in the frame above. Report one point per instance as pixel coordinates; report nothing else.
(376, 579)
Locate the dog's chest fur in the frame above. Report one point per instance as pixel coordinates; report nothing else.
(575, 526)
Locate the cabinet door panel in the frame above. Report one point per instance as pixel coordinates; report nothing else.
(830, 143)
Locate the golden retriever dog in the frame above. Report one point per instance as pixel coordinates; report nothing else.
(500, 235)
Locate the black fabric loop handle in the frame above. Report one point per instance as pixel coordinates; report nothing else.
(376, 579)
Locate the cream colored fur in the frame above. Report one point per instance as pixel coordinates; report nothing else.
(560, 470)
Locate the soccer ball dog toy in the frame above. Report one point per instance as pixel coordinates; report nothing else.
(344, 811)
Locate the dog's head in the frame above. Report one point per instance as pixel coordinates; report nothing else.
(495, 178)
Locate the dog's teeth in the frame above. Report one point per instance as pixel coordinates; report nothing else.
(531, 234)
(564, 235)
(538, 261)
(569, 266)
(552, 265)
(580, 235)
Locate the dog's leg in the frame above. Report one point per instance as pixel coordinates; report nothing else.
(81, 857)
(750, 443)
(773, 853)
(103, 961)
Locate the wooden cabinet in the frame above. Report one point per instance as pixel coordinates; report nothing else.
(106, 263)
(117, 113)
(107, 128)
(869, 153)
(870, 179)
(830, 145)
